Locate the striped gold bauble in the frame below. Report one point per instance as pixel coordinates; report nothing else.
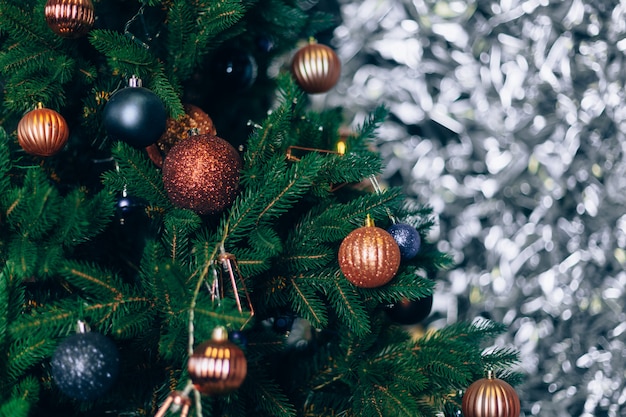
(42, 132)
(490, 397)
(217, 366)
(70, 18)
(316, 68)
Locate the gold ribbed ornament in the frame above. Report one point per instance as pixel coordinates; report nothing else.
(490, 397)
(70, 18)
(369, 256)
(42, 132)
(316, 68)
(217, 366)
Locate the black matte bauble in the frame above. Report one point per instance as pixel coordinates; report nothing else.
(409, 312)
(136, 116)
(85, 365)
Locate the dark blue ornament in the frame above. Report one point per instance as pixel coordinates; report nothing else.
(238, 337)
(265, 43)
(234, 70)
(85, 365)
(283, 323)
(407, 238)
(410, 312)
(136, 116)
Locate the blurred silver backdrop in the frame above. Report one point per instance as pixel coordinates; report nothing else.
(507, 117)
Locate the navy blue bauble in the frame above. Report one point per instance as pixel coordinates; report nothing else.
(85, 365)
(136, 116)
(234, 70)
(407, 238)
(409, 312)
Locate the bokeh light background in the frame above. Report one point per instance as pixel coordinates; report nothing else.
(508, 118)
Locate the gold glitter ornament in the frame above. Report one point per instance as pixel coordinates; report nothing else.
(490, 397)
(70, 18)
(316, 68)
(178, 129)
(217, 366)
(201, 173)
(369, 256)
(42, 132)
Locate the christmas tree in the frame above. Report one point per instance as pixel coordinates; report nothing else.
(182, 234)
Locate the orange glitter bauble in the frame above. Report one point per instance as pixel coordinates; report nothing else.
(369, 257)
(217, 366)
(42, 132)
(490, 397)
(316, 68)
(194, 119)
(201, 173)
(70, 18)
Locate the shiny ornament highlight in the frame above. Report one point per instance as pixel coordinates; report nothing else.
(369, 257)
(202, 173)
(316, 68)
(490, 397)
(42, 132)
(70, 18)
(217, 366)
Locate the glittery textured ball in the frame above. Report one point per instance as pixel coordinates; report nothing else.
(369, 257)
(178, 129)
(42, 132)
(201, 173)
(409, 312)
(407, 238)
(134, 115)
(490, 397)
(316, 68)
(217, 366)
(85, 365)
(70, 18)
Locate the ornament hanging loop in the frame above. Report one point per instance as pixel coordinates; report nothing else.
(229, 266)
(177, 400)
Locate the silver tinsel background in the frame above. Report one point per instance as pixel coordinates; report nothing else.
(508, 118)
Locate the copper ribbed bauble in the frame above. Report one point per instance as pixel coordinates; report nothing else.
(316, 68)
(179, 129)
(369, 257)
(70, 18)
(217, 366)
(201, 173)
(490, 397)
(42, 132)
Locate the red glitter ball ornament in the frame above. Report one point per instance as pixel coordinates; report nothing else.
(201, 173)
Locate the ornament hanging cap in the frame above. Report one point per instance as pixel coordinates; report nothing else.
(134, 81)
(369, 222)
(219, 334)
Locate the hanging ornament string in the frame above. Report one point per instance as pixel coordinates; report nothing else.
(230, 266)
(139, 17)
